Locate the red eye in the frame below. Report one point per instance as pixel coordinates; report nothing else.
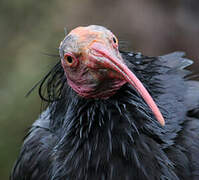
(70, 60)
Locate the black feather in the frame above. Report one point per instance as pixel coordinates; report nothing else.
(117, 138)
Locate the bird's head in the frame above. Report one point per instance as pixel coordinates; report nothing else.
(94, 67)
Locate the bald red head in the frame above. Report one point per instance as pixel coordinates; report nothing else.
(94, 67)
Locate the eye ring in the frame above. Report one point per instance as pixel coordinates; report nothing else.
(70, 60)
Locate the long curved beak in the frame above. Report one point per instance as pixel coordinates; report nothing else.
(117, 64)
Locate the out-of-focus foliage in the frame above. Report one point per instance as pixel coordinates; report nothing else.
(30, 28)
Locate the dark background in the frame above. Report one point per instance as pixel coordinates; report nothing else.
(30, 28)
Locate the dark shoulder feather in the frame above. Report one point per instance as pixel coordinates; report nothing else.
(165, 77)
(36, 149)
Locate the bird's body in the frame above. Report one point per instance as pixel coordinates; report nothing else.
(118, 137)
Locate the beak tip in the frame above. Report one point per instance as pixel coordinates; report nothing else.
(161, 121)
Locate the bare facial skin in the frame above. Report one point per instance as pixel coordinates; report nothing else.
(94, 66)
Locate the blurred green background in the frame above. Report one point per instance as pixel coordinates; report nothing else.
(30, 28)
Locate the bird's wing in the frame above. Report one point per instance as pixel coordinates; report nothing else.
(186, 141)
(168, 81)
(177, 96)
(177, 64)
(165, 77)
(33, 161)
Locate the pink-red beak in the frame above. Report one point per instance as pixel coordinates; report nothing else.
(115, 62)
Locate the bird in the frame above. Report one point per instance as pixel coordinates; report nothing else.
(113, 115)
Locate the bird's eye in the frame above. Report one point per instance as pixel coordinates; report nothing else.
(70, 60)
(114, 40)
